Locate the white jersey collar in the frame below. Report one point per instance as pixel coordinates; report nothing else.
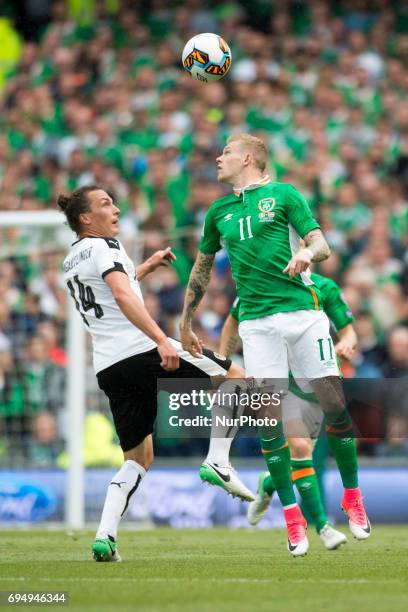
(263, 181)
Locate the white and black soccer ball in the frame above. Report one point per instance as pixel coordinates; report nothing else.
(207, 57)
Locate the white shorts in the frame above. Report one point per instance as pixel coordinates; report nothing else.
(298, 341)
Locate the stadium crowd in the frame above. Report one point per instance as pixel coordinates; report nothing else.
(94, 92)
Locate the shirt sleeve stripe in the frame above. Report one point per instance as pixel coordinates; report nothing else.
(116, 268)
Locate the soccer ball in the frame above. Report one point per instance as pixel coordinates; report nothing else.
(207, 57)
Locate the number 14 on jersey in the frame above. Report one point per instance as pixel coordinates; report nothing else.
(86, 299)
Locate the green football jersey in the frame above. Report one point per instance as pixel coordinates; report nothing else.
(234, 310)
(336, 308)
(332, 301)
(260, 230)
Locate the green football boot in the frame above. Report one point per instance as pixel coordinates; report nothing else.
(105, 550)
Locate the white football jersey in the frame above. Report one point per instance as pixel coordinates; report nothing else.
(85, 267)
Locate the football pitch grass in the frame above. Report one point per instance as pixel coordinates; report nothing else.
(217, 570)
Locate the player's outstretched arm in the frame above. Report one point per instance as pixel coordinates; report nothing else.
(134, 310)
(229, 336)
(159, 258)
(347, 343)
(316, 249)
(197, 285)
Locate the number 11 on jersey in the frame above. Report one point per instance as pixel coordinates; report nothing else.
(248, 227)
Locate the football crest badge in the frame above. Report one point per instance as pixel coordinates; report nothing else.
(266, 207)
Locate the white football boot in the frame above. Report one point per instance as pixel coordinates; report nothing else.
(257, 508)
(225, 477)
(331, 538)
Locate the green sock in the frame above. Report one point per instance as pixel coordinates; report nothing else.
(320, 454)
(276, 453)
(268, 485)
(341, 440)
(305, 479)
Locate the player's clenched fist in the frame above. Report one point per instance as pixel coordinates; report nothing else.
(169, 358)
(299, 262)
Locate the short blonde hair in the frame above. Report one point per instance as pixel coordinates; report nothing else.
(255, 146)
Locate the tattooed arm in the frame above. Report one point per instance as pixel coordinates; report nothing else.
(317, 245)
(316, 249)
(229, 336)
(197, 285)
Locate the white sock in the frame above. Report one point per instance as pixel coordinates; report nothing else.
(120, 490)
(222, 436)
(218, 451)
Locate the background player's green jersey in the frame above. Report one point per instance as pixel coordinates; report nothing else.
(260, 229)
(333, 304)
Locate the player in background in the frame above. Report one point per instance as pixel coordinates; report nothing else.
(130, 351)
(302, 416)
(282, 325)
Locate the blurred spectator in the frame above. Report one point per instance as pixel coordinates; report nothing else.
(50, 334)
(44, 382)
(350, 216)
(396, 365)
(7, 336)
(371, 354)
(14, 421)
(44, 446)
(49, 287)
